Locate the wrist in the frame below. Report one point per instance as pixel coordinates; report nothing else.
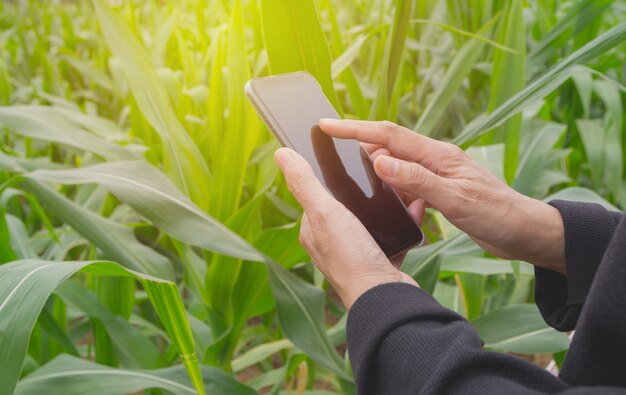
(544, 235)
(355, 286)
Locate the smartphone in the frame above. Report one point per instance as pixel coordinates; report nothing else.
(291, 106)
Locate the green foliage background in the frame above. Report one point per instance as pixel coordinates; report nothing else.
(147, 242)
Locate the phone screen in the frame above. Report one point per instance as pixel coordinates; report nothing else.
(291, 105)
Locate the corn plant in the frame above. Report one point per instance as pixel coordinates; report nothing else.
(147, 242)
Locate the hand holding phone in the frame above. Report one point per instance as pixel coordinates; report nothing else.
(337, 242)
(291, 106)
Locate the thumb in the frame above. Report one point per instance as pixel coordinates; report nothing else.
(301, 180)
(412, 178)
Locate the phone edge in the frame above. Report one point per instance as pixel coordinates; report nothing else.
(258, 105)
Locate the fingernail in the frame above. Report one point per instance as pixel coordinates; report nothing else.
(329, 121)
(387, 165)
(282, 155)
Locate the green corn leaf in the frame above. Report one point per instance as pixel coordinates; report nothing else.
(5, 84)
(489, 157)
(382, 108)
(49, 324)
(251, 281)
(543, 85)
(593, 137)
(92, 74)
(35, 280)
(449, 296)
(259, 353)
(350, 54)
(483, 266)
(465, 33)
(295, 42)
(183, 161)
(48, 124)
(613, 126)
(579, 16)
(232, 287)
(423, 263)
(308, 299)
(507, 78)
(300, 308)
(347, 58)
(538, 157)
(520, 329)
(579, 194)
(12, 193)
(582, 70)
(162, 36)
(73, 376)
(115, 240)
(96, 95)
(216, 104)
(584, 85)
(458, 70)
(472, 287)
(131, 348)
(243, 129)
(282, 245)
(99, 126)
(150, 193)
(276, 377)
(7, 252)
(20, 239)
(117, 294)
(353, 87)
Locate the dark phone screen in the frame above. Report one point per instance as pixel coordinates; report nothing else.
(295, 102)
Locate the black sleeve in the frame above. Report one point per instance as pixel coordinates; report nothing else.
(401, 341)
(588, 231)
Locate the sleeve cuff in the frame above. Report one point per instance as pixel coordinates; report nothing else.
(588, 230)
(382, 309)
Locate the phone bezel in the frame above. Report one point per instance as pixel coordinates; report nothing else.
(260, 107)
(262, 110)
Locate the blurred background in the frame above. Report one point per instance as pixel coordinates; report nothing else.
(147, 241)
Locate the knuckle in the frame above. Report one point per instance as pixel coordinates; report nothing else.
(416, 177)
(454, 151)
(453, 160)
(464, 199)
(388, 125)
(391, 128)
(397, 133)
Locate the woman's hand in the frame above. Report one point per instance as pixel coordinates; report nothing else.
(501, 220)
(339, 245)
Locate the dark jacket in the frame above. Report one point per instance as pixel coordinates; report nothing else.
(401, 341)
